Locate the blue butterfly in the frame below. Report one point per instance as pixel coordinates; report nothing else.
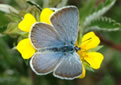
(55, 44)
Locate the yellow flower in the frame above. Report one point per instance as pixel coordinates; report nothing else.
(94, 59)
(24, 46)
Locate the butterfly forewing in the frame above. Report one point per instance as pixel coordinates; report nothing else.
(43, 36)
(65, 21)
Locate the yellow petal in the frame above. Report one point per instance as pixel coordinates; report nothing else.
(90, 40)
(25, 48)
(27, 22)
(83, 72)
(45, 15)
(94, 59)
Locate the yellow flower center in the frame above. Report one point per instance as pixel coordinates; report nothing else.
(82, 52)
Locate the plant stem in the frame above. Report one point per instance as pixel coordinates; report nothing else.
(109, 43)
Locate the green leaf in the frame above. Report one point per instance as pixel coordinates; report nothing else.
(95, 49)
(86, 10)
(7, 8)
(13, 17)
(13, 30)
(35, 12)
(3, 28)
(104, 24)
(57, 3)
(62, 3)
(99, 11)
(22, 4)
(87, 66)
(5, 51)
(34, 4)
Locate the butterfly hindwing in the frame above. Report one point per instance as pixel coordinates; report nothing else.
(44, 63)
(70, 67)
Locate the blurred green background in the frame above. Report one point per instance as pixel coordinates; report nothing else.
(14, 70)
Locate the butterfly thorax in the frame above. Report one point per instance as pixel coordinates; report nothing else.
(63, 49)
(69, 48)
